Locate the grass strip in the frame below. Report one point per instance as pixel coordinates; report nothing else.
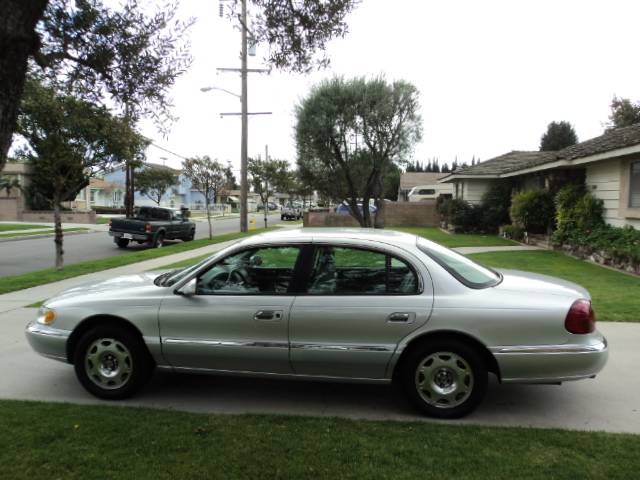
(41, 232)
(616, 296)
(47, 440)
(5, 227)
(48, 275)
(457, 239)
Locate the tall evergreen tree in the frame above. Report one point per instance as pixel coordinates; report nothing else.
(559, 135)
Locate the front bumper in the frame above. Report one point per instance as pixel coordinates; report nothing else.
(48, 341)
(551, 363)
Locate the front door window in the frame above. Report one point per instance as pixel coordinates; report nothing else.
(258, 271)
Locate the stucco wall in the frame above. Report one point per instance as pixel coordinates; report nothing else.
(603, 181)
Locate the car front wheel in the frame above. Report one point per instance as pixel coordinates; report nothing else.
(446, 379)
(112, 363)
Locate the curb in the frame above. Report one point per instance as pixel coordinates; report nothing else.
(44, 235)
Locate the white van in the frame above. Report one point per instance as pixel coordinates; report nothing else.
(429, 192)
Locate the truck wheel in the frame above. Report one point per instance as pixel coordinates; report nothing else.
(159, 241)
(122, 242)
(191, 236)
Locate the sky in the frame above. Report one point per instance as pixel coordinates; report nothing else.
(492, 74)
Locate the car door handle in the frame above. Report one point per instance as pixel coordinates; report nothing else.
(399, 317)
(267, 315)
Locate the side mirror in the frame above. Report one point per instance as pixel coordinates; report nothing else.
(188, 289)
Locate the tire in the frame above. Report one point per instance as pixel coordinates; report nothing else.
(191, 236)
(282, 217)
(118, 371)
(445, 379)
(122, 242)
(158, 241)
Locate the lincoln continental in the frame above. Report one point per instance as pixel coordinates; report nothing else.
(329, 304)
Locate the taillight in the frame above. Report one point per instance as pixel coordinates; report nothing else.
(147, 228)
(581, 317)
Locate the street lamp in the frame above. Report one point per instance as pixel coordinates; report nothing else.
(208, 89)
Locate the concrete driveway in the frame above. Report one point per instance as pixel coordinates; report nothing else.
(611, 402)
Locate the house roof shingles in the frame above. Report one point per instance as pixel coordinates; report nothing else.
(518, 160)
(408, 180)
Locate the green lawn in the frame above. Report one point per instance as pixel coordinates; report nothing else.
(5, 227)
(458, 239)
(616, 296)
(102, 220)
(48, 275)
(49, 441)
(42, 232)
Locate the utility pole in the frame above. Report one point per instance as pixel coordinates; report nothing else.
(244, 190)
(266, 184)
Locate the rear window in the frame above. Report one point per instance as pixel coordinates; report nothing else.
(466, 271)
(427, 191)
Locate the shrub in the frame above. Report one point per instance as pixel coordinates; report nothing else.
(496, 203)
(578, 213)
(513, 232)
(108, 210)
(534, 210)
(465, 216)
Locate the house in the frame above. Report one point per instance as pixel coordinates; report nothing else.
(408, 180)
(98, 192)
(609, 166)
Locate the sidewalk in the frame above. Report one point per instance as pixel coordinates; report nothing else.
(22, 298)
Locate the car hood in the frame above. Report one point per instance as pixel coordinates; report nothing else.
(117, 286)
(527, 282)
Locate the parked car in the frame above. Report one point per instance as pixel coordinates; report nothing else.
(272, 206)
(343, 209)
(152, 225)
(291, 212)
(339, 304)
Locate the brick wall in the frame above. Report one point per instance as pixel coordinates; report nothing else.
(405, 214)
(67, 217)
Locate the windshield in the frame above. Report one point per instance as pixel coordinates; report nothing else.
(462, 268)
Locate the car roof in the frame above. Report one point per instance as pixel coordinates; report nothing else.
(328, 234)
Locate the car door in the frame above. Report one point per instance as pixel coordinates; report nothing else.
(238, 318)
(359, 303)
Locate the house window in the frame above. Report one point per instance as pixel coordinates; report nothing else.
(117, 197)
(92, 196)
(634, 185)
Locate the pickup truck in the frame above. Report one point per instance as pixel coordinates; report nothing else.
(152, 225)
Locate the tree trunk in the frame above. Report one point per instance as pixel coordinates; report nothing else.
(366, 214)
(18, 40)
(209, 217)
(127, 192)
(58, 239)
(378, 221)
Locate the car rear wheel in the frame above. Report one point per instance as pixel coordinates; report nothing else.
(122, 242)
(191, 236)
(112, 362)
(445, 379)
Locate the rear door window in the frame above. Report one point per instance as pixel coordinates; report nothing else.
(355, 271)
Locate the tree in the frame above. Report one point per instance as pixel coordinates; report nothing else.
(297, 31)
(69, 141)
(559, 135)
(266, 177)
(208, 177)
(383, 117)
(154, 181)
(126, 57)
(18, 41)
(623, 113)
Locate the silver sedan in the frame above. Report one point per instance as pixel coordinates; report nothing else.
(339, 304)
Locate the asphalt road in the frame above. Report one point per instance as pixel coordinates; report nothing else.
(610, 402)
(28, 255)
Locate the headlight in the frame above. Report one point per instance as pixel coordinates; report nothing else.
(46, 316)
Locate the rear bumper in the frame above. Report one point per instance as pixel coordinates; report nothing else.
(47, 341)
(130, 236)
(551, 363)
